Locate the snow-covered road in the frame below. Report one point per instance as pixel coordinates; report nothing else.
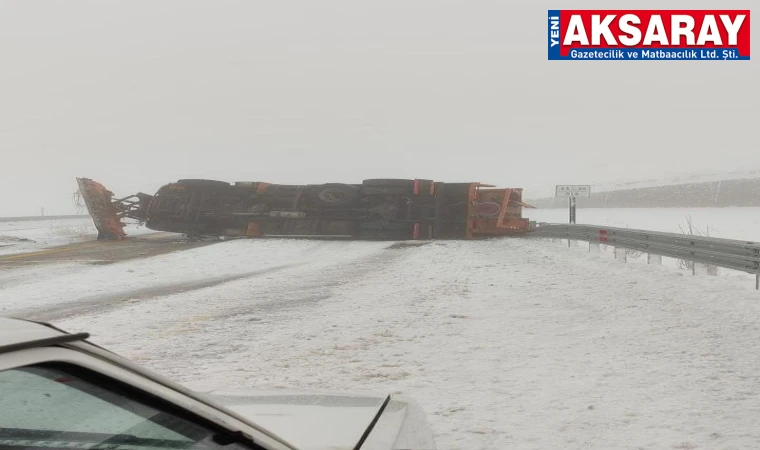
(506, 343)
(29, 234)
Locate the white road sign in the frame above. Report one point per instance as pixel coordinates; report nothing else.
(572, 190)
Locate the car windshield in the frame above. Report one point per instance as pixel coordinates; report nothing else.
(45, 406)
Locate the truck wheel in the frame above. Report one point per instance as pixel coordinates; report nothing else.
(425, 187)
(335, 194)
(389, 182)
(398, 183)
(202, 183)
(372, 190)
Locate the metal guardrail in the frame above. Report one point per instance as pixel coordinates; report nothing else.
(732, 254)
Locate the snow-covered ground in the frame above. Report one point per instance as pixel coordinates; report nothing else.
(507, 344)
(729, 223)
(20, 236)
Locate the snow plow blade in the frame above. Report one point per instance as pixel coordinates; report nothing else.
(375, 209)
(102, 209)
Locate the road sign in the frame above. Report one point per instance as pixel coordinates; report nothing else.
(572, 190)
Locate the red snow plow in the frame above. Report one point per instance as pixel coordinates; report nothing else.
(375, 209)
(105, 212)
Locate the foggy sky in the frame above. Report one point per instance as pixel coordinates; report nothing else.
(136, 94)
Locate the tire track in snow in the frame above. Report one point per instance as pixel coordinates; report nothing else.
(246, 304)
(48, 290)
(275, 299)
(103, 303)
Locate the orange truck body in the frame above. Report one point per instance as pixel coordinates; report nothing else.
(375, 209)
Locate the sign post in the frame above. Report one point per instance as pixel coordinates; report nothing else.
(572, 191)
(572, 210)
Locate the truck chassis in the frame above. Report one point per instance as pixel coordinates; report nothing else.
(375, 209)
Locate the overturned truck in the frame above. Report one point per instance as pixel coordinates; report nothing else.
(376, 209)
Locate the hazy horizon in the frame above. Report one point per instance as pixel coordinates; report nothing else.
(137, 94)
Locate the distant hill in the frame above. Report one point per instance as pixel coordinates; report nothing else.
(722, 193)
(695, 178)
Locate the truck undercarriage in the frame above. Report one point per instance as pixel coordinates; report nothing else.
(376, 209)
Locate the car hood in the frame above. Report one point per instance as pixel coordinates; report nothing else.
(317, 420)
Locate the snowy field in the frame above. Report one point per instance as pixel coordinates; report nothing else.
(507, 344)
(21, 236)
(729, 223)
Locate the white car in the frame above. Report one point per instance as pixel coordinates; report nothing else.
(58, 391)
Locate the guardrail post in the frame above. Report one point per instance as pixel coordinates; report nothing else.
(757, 281)
(620, 253)
(654, 259)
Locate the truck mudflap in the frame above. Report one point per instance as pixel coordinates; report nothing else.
(105, 213)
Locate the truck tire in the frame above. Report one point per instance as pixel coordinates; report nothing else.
(425, 187)
(393, 191)
(398, 183)
(202, 183)
(336, 194)
(389, 182)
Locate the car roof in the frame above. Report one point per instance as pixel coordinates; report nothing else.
(19, 331)
(21, 334)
